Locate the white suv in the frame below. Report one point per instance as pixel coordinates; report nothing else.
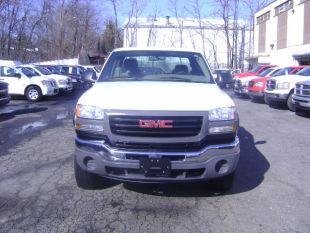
(64, 83)
(32, 87)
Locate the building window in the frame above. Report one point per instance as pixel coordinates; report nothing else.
(284, 7)
(263, 17)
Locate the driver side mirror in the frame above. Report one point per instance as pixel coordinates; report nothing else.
(89, 76)
(17, 75)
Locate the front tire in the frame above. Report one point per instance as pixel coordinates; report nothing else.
(225, 183)
(266, 100)
(87, 180)
(33, 93)
(290, 104)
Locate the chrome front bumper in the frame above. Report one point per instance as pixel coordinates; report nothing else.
(105, 157)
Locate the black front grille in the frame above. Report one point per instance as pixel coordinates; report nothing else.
(182, 126)
(188, 173)
(238, 83)
(271, 84)
(251, 83)
(302, 89)
(3, 85)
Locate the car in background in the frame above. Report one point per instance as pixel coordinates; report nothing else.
(242, 84)
(74, 72)
(301, 96)
(4, 93)
(30, 86)
(280, 89)
(64, 83)
(253, 72)
(257, 86)
(224, 78)
(96, 69)
(54, 70)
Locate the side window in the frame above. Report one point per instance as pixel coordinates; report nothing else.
(64, 70)
(7, 72)
(74, 70)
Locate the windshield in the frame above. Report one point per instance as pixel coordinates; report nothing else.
(304, 72)
(255, 69)
(43, 70)
(156, 66)
(28, 72)
(265, 72)
(284, 71)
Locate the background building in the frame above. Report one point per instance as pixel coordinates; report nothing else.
(282, 33)
(206, 35)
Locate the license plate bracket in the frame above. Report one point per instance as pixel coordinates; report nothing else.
(155, 167)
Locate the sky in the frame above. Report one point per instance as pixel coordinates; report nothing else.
(209, 8)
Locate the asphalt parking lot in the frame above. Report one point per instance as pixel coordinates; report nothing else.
(38, 191)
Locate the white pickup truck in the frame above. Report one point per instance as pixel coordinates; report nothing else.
(32, 87)
(301, 97)
(280, 89)
(155, 116)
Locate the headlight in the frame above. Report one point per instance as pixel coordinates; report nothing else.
(46, 83)
(89, 112)
(284, 85)
(62, 82)
(259, 84)
(223, 114)
(245, 84)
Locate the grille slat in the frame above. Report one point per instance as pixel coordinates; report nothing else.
(183, 126)
(271, 84)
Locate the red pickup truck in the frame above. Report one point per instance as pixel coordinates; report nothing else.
(255, 71)
(257, 86)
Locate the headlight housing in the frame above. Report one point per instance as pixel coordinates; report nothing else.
(89, 112)
(284, 85)
(46, 83)
(245, 83)
(223, 114)
(259, 84)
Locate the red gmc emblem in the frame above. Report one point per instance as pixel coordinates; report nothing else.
(151, 124)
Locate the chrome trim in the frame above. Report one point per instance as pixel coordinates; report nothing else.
(210, 150)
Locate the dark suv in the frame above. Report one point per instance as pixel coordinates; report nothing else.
(4, 93)
(73, 72)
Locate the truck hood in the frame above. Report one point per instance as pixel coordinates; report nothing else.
(57, 77)
(291, 78)
(160, 96)
(247, 79)
(307, 82)
(242, 75)
(260, 79)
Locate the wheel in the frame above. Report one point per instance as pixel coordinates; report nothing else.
(224, 184)
(290, 104)
(266, 100)
(253, 98)
(33, 93)
(87, 180)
